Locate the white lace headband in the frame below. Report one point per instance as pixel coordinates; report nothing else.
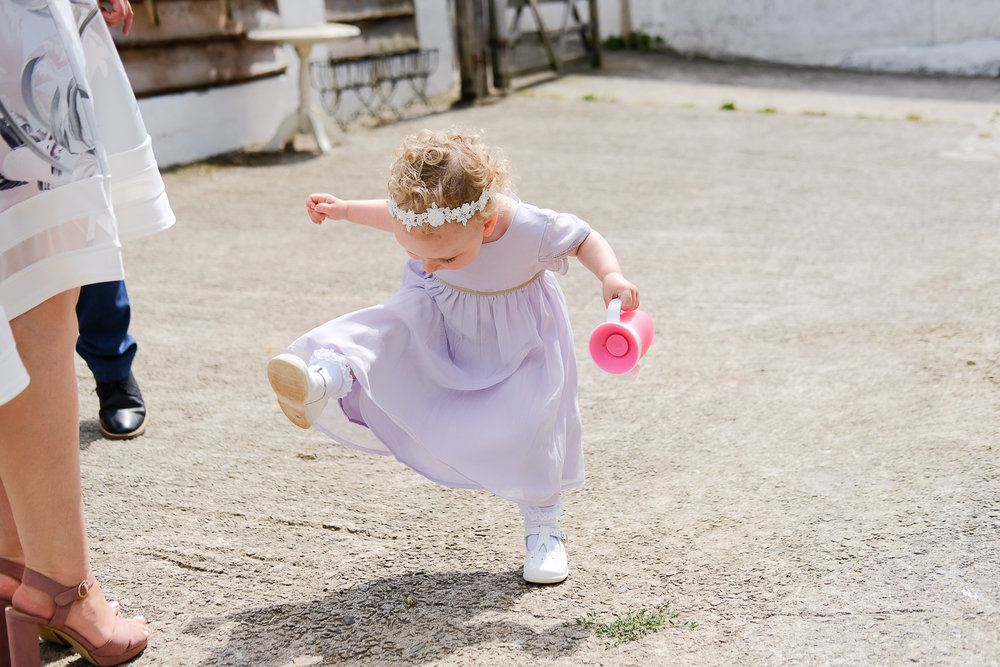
(435, 216)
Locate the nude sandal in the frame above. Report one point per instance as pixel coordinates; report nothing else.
(12, 570)
(128, 638)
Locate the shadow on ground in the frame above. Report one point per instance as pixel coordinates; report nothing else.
(415, 617)
(258, 158)
(90, 432)
(806, 79)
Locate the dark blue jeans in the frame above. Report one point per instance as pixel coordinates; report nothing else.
(103, 312)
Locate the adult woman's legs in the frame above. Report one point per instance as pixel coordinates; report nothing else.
(40, 467)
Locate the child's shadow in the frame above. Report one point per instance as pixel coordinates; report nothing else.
(419, 617)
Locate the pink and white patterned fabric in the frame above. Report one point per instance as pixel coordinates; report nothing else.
(77, 171)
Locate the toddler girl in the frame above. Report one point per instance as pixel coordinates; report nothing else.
(467, 374)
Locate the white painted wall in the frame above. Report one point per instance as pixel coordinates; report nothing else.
(935, 36)
(193, 126)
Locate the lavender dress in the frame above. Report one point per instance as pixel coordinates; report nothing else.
(468, 376)
(77, 171)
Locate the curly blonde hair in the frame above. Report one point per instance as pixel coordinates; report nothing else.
(445, 168)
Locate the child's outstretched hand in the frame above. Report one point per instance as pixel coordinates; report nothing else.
(614, 286)
(321, 206)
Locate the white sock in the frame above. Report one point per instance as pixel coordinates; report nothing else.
(320, 384)
(535, 516)
(329, 378)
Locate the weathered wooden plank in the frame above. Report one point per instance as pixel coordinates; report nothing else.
(470, 23)
(359, 10)
(499, 45)
(391, 35)
(193, 20)
(576, 40)
(194, 66)
(195, 44)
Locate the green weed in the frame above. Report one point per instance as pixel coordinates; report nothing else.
(636, 41)
(728, 106)
(634, 625)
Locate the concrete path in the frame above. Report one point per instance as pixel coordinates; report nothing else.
(807, 466)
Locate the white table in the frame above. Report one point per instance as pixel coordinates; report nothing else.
(307, 118)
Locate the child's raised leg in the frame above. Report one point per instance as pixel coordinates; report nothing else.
(545, 562)
(304, 389)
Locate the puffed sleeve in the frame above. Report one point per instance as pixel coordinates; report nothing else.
(564, 232)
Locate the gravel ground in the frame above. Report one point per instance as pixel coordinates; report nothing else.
(805, 467)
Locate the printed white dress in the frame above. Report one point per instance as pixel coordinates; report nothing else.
(77, 171)
(468, 376)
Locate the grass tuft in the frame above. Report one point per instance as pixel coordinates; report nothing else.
(636, 41)
(634, 625)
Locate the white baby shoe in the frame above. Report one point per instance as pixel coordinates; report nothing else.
(302, 390)
(546, 561)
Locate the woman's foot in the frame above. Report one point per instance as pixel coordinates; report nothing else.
(10, 581)
(79, 615)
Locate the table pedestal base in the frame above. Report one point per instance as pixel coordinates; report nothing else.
(306, 119)
(310, 122)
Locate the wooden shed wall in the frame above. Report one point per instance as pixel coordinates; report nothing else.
(387, 26)
(183, 45)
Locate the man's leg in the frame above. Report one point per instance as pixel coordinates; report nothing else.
(103, 313)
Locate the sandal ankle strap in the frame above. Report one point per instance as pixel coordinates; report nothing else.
(11, 569)
(61, 594)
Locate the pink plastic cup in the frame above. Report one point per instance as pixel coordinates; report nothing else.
(617, 345)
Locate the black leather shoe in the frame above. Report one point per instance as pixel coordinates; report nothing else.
(123, 412)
